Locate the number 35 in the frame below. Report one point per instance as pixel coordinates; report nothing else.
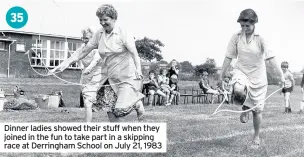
(17, 17)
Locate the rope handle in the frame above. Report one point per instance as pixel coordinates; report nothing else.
(233, 111)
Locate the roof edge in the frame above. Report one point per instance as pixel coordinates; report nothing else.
(42, 34)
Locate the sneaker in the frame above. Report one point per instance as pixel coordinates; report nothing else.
(168, 104)
(289, 110)
(244, 118)
(286, 110)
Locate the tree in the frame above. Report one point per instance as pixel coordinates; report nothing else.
(149, 49)
(154, 66)
(186, 66)
(162, 62)
(209, 66)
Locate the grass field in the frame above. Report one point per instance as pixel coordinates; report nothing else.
(191, 132)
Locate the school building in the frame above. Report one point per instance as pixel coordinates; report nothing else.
(22, 51)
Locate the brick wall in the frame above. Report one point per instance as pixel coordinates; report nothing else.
(20, 65)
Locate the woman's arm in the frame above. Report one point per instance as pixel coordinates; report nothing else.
(136, 59)
(129, 42)
(78, 55)
(225, 66)
(292, 80)
(274, 64)
(96, 60)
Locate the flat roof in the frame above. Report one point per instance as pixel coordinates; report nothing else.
(4, 39)
(41, 34)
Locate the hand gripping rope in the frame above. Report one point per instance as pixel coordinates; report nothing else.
(233, 111)
(54, 74)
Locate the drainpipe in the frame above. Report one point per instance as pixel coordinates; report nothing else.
(9, 58)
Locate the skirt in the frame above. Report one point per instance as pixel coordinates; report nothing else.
(256, 93)
(106, 98)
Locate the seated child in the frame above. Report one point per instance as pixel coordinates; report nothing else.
(227, 88)
(153, 87)
(163, 81)
(174, 89)
(204, 85)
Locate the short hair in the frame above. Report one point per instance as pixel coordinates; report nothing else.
(284, 64)
(86, 31)
(162, 70)
(152, 71)
(248, 15)
(108, 10)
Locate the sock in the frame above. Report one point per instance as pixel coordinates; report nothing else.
(302, 106)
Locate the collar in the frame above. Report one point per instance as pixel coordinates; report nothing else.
(255, 32)
(243, 36)
(115, 29)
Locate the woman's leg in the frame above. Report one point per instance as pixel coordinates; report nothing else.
(88, 110)
(140, 110)
(89, 94)
(257, 120)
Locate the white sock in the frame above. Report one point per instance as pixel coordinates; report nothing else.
(302, 105)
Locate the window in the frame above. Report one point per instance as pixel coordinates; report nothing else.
(2, 45)
(72, 48)
(50, 53)
(57, 52)
(39, 53)
(20, 47)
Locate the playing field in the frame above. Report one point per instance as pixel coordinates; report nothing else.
(191, 132)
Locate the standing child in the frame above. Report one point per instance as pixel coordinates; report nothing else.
(288, 87)
(249, 75)
(153, 87)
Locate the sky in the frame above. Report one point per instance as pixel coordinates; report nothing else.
(191, 30)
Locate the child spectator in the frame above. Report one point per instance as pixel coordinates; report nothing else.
(288, 87)
(174, 89)
(227, 88)
(163, 81)
(204, 85)
(153, 87)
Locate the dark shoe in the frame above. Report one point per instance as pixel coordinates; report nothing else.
(244, 118)
(286, 110)
(289, 110)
